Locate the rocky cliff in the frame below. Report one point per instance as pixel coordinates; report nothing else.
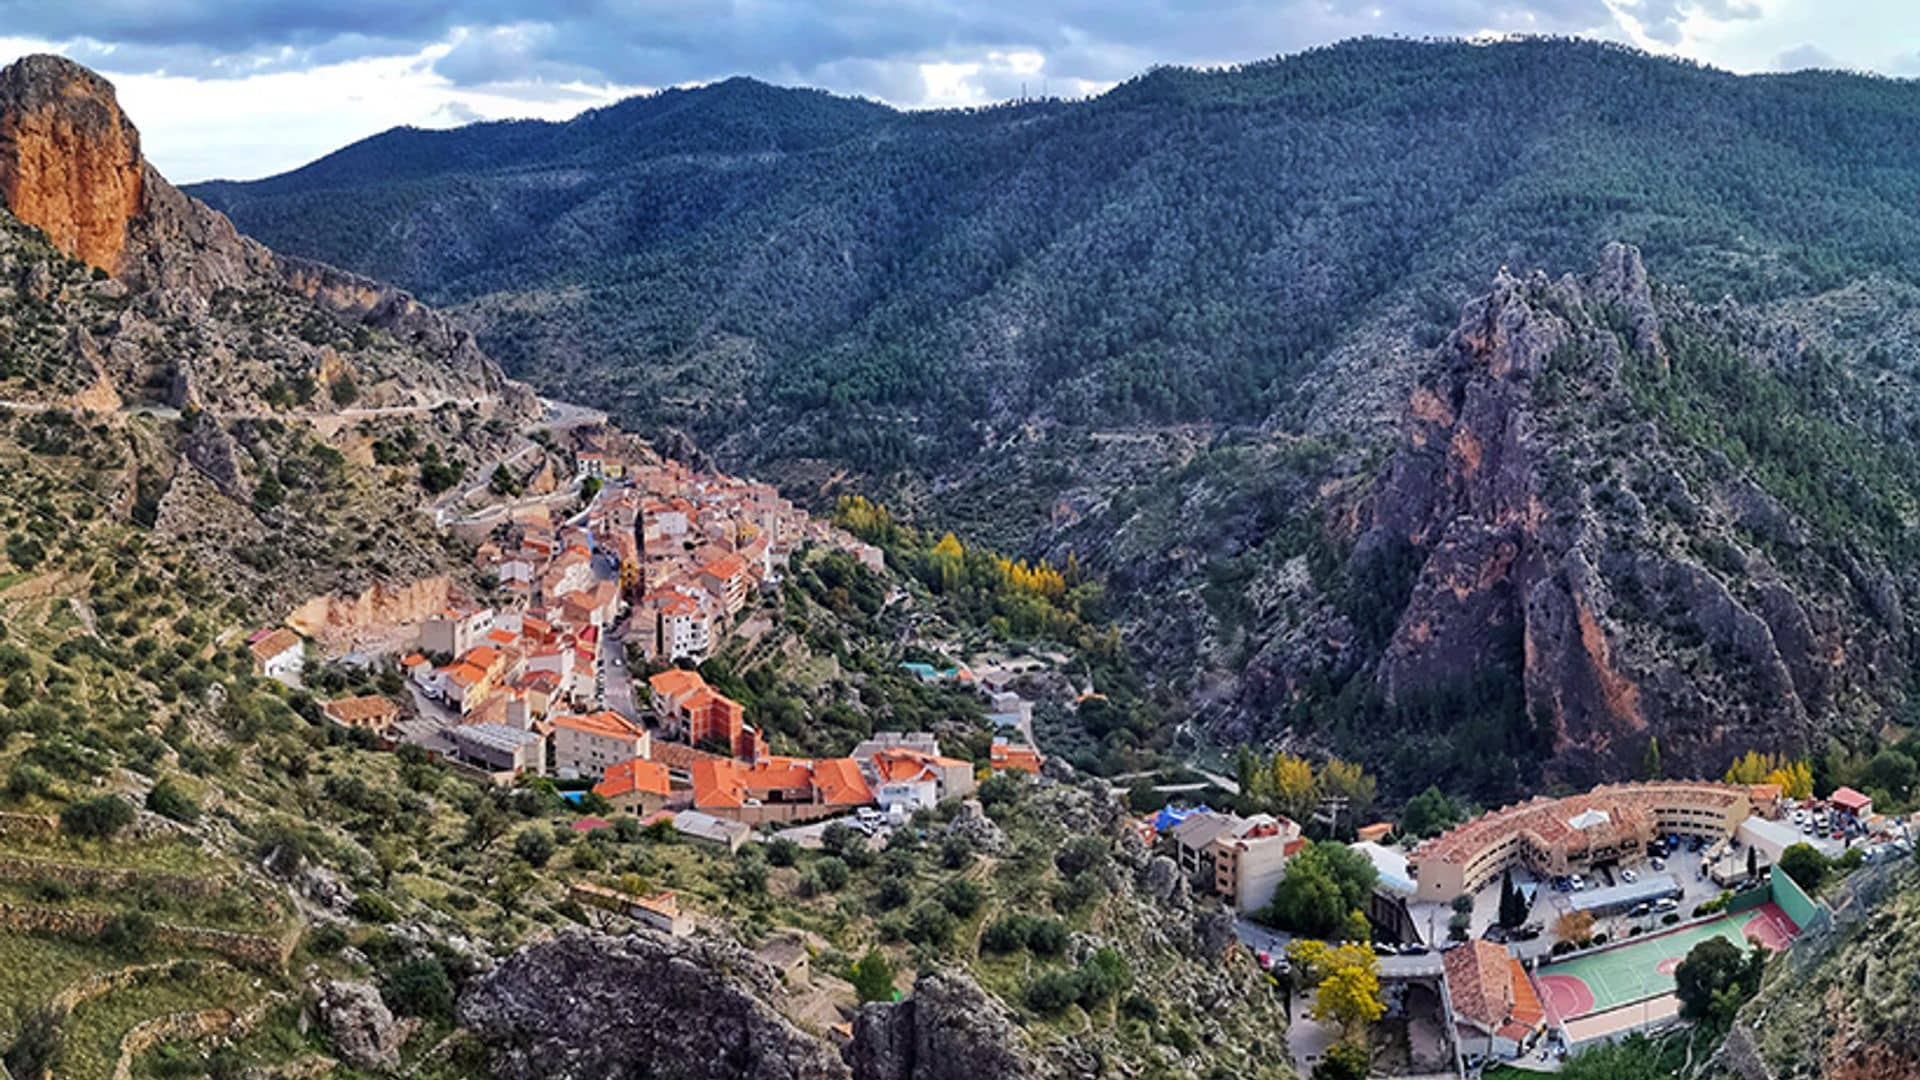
(1610, 517)
(949, 1029)
(583, 1005)
(71, 167)
(70, 162)
(1570, 523)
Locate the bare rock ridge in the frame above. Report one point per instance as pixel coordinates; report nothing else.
(71, 167)
(949, 1029)
(593, 1005)
(70, 161)
(583, 1005)
(1552, 531)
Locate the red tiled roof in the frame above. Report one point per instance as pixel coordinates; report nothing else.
(676, 682)
(275, 643)
(839, 782)
(637, 774)
(1546, 820)
(1480, 981)
(605, 723)
(1848, 799)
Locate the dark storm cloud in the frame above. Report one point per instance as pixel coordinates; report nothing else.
(862, 46)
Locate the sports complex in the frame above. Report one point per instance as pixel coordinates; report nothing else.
(1609, 991)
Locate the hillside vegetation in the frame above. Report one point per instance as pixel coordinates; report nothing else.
(765, 265)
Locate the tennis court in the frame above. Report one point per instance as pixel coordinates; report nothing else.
(1643, 967)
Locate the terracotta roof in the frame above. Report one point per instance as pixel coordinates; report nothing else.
(412, 660)
(634, 775)
(1480, 980)
(839, 782)
(463, 673)
(726, 567)
(717, 783)
(501, 637)
(1548, 822)
(1848, 799)
(275, 643)
(680, 756)
(356, 709)
(605, 723)
(676, 682)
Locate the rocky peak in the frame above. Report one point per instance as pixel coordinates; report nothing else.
(70, 160)
(1535, 547)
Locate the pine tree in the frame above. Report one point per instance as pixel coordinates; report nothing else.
(1513, 903)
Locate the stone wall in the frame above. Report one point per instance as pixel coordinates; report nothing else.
(81, 876)
(252, 950)
(29, 826)
(148, 1034)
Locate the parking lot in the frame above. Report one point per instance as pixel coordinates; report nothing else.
(1549, 903)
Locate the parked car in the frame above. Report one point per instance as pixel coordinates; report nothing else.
(1413, 949)
(1629, 876)
(1666, 903)
(1579, 883)
(1658, 864)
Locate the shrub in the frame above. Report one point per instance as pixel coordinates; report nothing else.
(872, 977)
(39, 1045)
(930, 924)
(1081, 854)
(1053, 992)
(782, 851)
(168, 800)
(96, 818)
(962, 897)
(128, 933)
(419, 988)
(1006, 934)
(534, 845)
(833, 872)
(373, 908)
(892, 892)
(1047, 937)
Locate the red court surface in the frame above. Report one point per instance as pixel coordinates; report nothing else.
(1641, 968)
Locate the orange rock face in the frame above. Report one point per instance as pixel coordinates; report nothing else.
(69, 159)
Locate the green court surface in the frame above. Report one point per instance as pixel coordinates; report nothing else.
(1643, 967)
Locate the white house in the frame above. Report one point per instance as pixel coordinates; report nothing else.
(587, 746)
(279, 655)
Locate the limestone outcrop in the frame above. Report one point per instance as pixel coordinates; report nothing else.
(586, 1005)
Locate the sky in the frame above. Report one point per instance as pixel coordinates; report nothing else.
(249, 88)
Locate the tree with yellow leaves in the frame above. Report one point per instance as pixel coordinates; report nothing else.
(1753, 767)
(949, 559)
(1795, 780)
(1349, 996)
(1346, 780)
(1294, 788)
(1313, 959)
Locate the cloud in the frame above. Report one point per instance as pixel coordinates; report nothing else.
(883, 48)
(439, 60)
(1803, 57)
(1664, 21)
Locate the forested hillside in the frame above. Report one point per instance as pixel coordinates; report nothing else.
(764, 265)
(1205, 333)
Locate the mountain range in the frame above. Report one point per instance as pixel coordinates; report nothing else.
(1193, 330)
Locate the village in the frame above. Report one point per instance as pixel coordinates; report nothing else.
(660, 566)
(1518, 936)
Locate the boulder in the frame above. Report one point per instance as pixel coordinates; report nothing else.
(948, 1029)
(592, 1005)
(363, 1031)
